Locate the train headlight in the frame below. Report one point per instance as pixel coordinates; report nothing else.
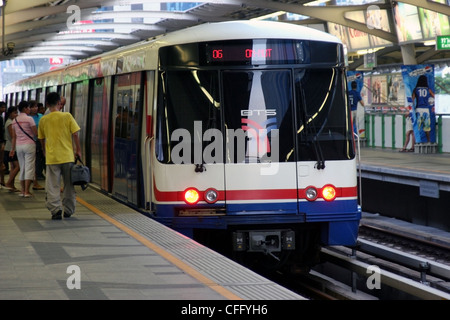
(329, 192)
(191, 196)
(211, 195)
(311, 193)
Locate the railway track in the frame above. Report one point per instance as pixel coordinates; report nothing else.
(429, 248)
(385, 265)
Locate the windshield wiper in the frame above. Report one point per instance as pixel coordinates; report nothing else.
(310, 128)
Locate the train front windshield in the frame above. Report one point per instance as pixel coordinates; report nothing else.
(241, 111)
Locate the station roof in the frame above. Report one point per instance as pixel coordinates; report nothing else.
(77, 29)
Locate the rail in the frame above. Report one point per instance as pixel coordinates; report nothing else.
(414, 288)
(432, 268)
(358, 139)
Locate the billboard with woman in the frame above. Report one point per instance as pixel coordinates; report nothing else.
(419, 88)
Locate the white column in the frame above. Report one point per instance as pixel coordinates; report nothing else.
(408, 53)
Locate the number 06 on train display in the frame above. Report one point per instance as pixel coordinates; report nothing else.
(237, 134)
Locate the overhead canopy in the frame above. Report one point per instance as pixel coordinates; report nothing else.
(77, 29)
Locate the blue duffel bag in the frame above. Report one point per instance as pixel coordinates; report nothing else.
(80, 174)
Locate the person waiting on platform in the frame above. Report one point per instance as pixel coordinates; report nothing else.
(11, 114)
(58, 131)
(23, 143)
(3, 167)
(409, 135)
(354, 97)
(40, 160)
(41, 108)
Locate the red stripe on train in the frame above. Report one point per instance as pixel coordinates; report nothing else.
(262, 194)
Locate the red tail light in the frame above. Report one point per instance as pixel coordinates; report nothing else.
(329, 192)
(191, 196)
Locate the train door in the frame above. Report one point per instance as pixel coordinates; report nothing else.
(66, 92)
(260, 171)
(40, 95)
(127, 109)
(99, 137)
(147, 138)
(17, 98)
(79, 109)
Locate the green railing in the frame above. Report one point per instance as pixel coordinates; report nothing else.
(371, 135)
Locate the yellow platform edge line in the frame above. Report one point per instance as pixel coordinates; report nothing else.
(166, 255)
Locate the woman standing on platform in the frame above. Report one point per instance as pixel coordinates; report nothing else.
(40, 160)
(11, 114)
(409, 134)
(23, 140)
(2, 144)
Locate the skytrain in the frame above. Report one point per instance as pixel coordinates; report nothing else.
(237, 134)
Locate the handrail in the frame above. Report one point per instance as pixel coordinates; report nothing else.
(359, 166)
(148, 175)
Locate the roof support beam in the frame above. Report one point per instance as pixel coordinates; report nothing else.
(426, 4)
(335, 14)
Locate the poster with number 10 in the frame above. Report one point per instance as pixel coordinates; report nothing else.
(419, 90)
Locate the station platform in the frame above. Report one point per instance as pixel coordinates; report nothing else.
(108, 251)
(413, 187)
(405, 167)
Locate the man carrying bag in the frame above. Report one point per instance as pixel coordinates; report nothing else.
(56, 132)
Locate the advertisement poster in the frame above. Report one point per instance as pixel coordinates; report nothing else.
(433, 23)
(442, 86)
(406, 21)
(358, 40)
(396, 90)
(379, 89)
(419, 90)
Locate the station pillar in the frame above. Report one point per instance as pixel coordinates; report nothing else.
(408, 53)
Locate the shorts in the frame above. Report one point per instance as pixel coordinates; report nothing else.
(424, 118)
(409, 125)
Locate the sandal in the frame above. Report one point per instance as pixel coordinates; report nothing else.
(27, 195)
(410, 150)
(402, 150)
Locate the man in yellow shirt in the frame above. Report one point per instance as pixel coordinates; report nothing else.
(57, 132)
